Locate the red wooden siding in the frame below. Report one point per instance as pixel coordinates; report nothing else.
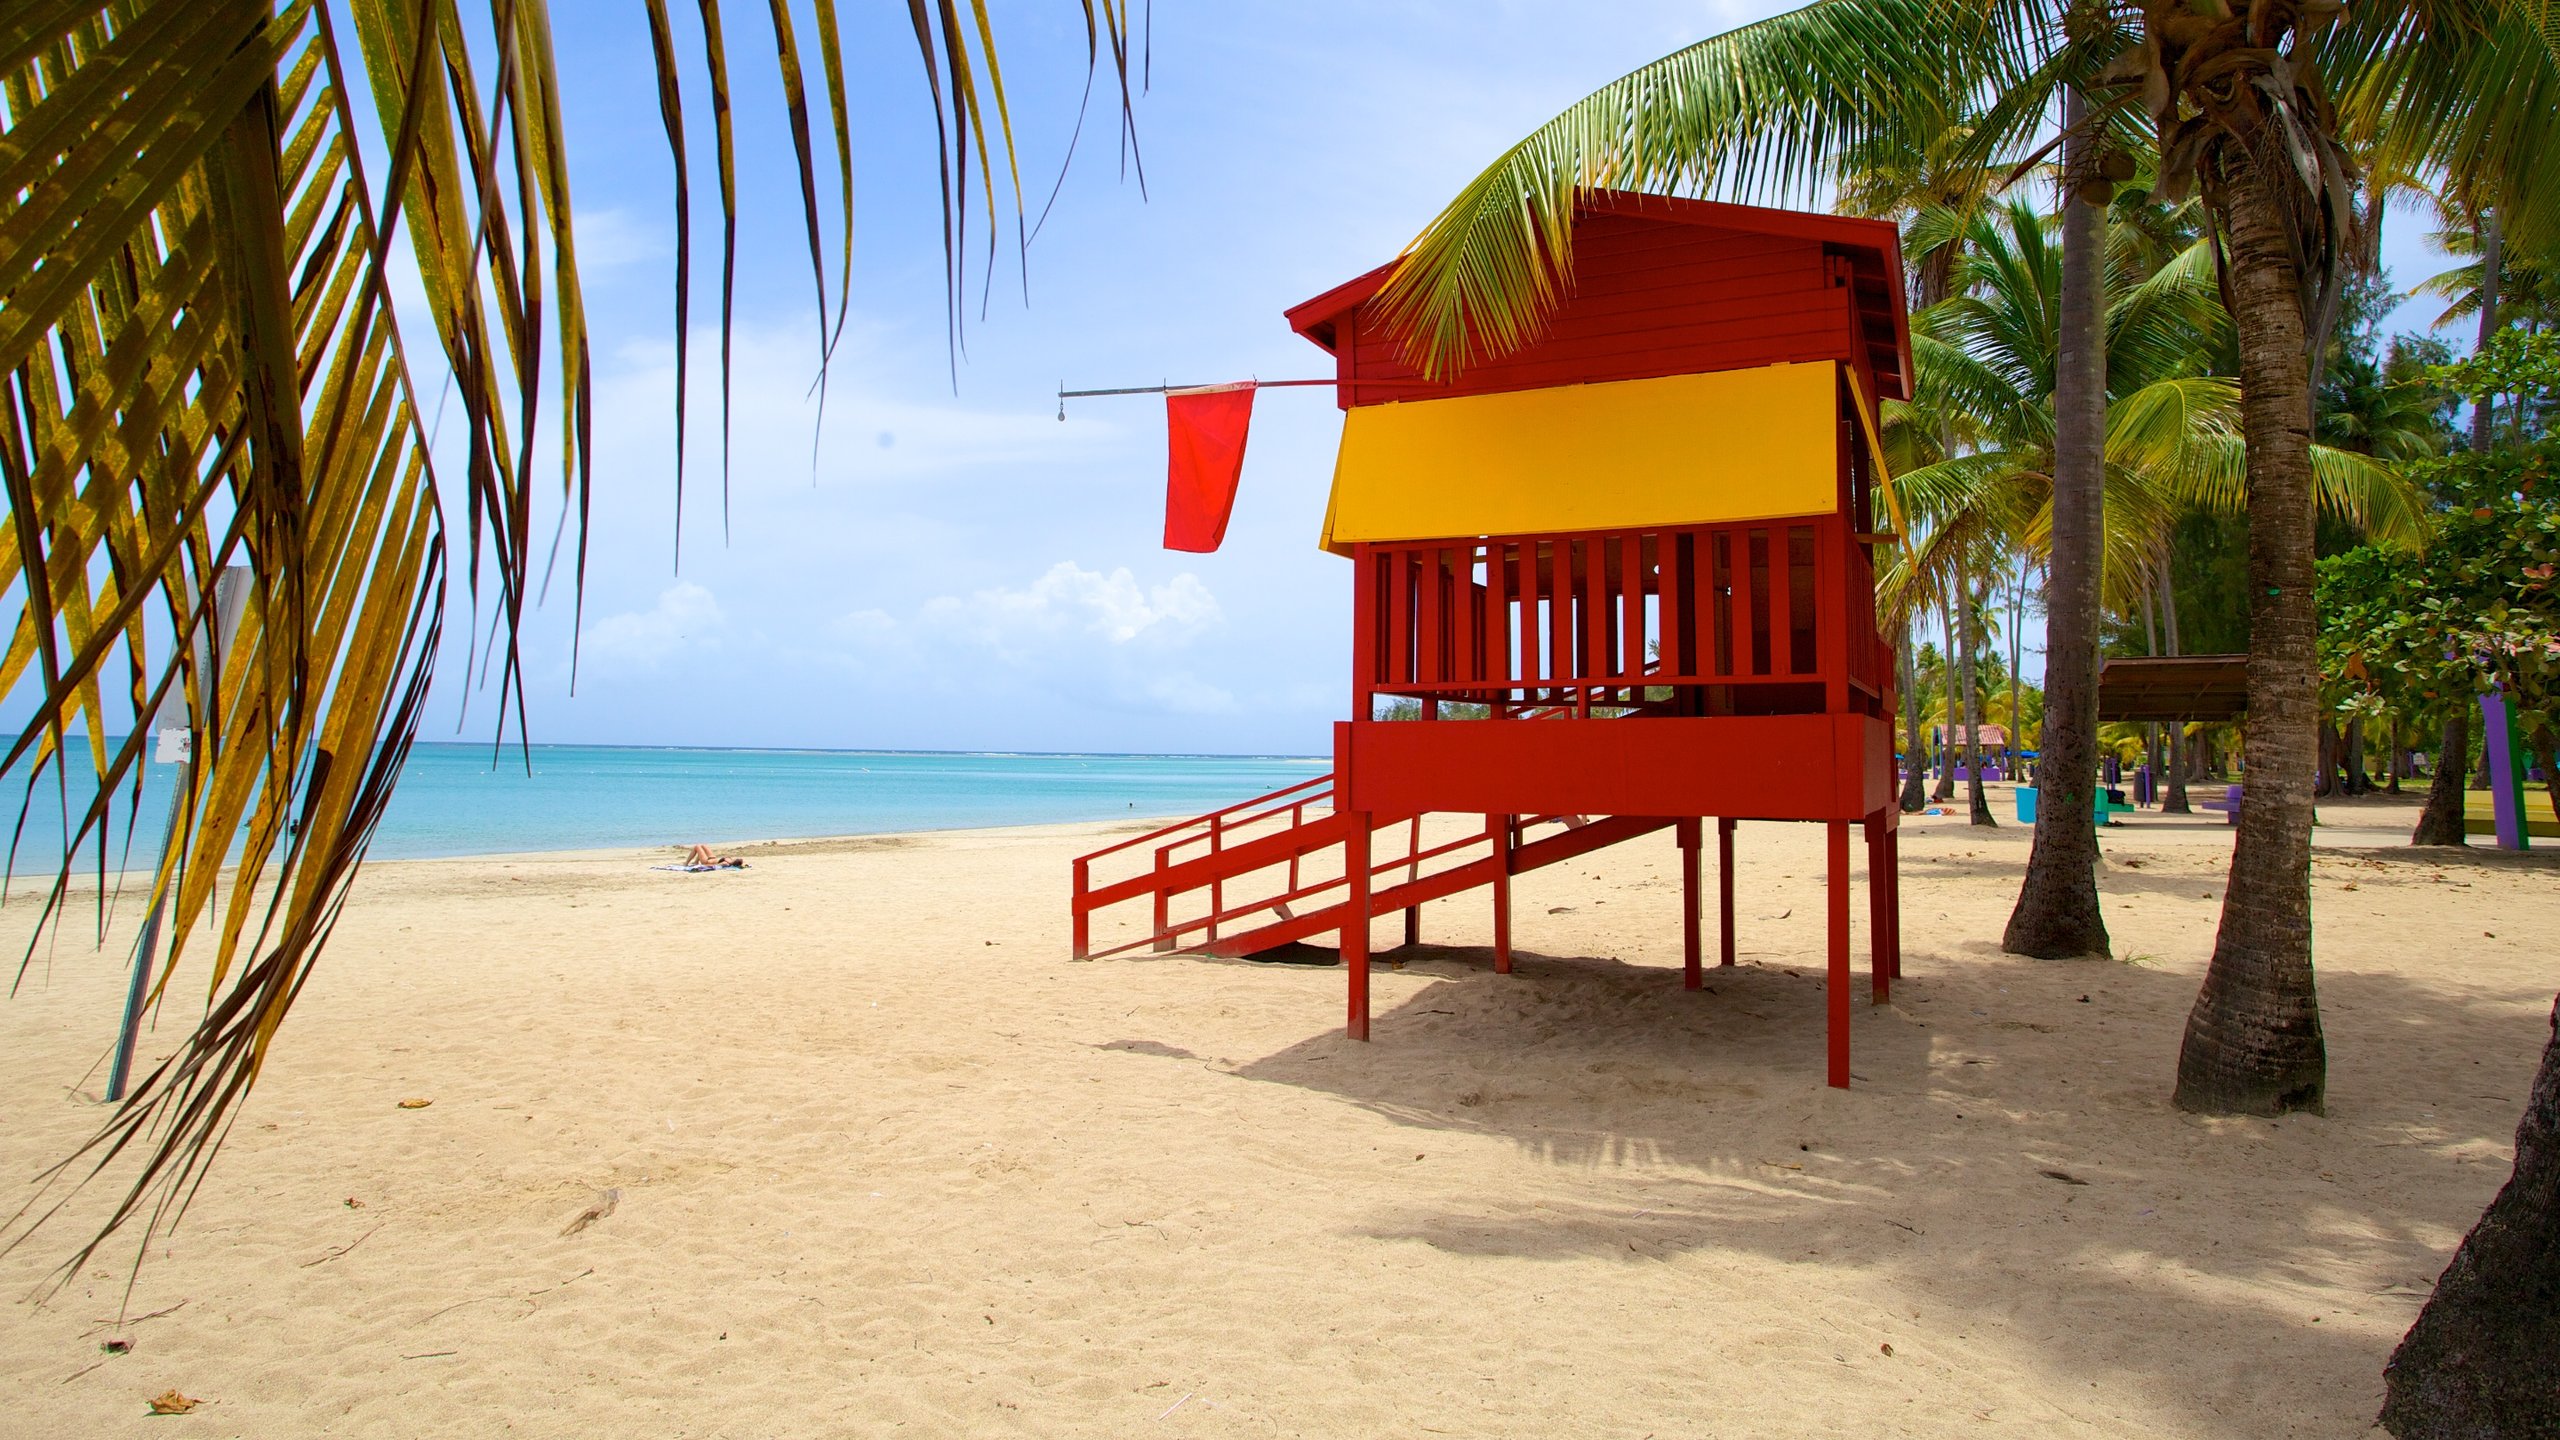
(1650, 299)
(1616, 619)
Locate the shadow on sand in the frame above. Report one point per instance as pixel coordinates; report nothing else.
(2008, 1158)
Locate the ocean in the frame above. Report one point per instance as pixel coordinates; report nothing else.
(454, 799)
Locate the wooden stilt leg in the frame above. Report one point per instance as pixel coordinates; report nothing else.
(1690, 941)
(1412, 872)
(1355, 923)
(1500, 828)
(1893, 898)
(1164, 903)
(1836, 992)
(1724, 882)
(1879, 925)
(1083, 916)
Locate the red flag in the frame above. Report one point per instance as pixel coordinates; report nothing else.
(1205, 430)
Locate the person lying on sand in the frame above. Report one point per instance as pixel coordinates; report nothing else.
(701, 858)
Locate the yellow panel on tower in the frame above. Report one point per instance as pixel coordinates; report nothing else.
(1680, 450)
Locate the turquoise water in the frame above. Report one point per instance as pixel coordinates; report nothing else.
(453, 800)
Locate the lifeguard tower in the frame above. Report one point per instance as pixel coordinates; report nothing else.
(1637, 555)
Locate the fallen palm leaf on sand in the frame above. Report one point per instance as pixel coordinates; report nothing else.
(593, 1213)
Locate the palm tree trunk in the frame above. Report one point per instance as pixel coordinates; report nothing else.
(1978, 806)
(2150, 728)
(2491, 261)
(1946, 787)
(2173, 800)
(2441, 822)
(2358, 782)
(2017, 618)
(2479, 1360)
(2253, 1043)
(1915, 792)
(2057, 910)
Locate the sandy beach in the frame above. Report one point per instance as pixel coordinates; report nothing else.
(888, 1160)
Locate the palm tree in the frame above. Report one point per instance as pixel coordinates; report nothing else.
(203, 368)
(2478, 1360)
(2233, 95)
(1977, 809)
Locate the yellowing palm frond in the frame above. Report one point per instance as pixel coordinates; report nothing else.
(201, 369)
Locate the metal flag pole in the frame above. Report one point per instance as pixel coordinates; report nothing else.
(172, 743)
(1065, 394)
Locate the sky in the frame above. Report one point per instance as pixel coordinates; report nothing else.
(946, 565)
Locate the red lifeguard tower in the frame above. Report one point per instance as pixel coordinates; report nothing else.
(1639, 552)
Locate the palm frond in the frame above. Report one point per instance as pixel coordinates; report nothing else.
(202, 372)
(2464, 90)
(1761, 112)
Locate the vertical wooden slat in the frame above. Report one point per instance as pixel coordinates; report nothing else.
(1631, 608)
(1719, 615)
(1364, 630)
(1604, 598)
(1560, 666)
(1782, 631)
(1667, 610)
(1426, 638)
(1399, 617)
(1529, 669)
(1497, 613)
(1831, 630)
(1820, 578)
(1596, 608)
(1703, 603)
(1470, 628)
(1742, 600)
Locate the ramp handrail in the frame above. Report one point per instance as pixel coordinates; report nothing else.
(1324, 782)
(1172, 874)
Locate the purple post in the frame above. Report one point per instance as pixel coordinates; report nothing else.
(2506, 781)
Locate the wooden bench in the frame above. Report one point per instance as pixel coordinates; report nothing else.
(2229, 804)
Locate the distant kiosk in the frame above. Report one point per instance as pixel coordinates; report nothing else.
(1642, 548)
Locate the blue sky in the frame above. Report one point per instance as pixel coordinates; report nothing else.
(958, 569)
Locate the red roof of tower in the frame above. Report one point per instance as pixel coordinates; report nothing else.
(1664, 285)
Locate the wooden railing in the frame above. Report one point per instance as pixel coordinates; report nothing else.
(1624, 619)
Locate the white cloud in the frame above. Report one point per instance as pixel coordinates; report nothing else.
(864, 626)
(687, 616)
(1070, 599)
(610, 238)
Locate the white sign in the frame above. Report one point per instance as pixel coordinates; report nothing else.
(173, 745)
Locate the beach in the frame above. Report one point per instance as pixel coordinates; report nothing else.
(888, 1160)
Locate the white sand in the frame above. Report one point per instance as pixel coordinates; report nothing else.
(887, 1158)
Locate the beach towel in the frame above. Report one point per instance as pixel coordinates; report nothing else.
(700, 869)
